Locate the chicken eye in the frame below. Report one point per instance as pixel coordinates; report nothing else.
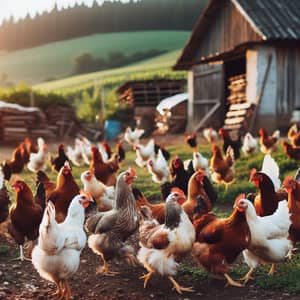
(127, 174)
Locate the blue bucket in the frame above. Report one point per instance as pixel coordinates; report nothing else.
(112, 129)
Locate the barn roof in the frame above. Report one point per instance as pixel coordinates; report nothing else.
(270, 19)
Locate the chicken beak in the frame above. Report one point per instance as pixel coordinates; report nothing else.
(88, 200)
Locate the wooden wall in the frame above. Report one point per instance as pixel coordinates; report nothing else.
(280, 94)
(206, 89)
(225, 31)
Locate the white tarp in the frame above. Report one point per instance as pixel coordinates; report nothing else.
(17, 107)
(170, 102)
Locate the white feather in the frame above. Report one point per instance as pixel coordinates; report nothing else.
(270, 168)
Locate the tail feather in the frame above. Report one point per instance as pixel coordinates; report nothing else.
(270, 167)
(276, 134)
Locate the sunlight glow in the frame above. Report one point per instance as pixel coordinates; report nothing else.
(20, 8)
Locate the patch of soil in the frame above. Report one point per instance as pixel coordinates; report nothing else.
(19, 280)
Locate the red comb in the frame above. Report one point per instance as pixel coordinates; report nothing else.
(239, 197)
(177, 190)
(252, 172)
(286, 180)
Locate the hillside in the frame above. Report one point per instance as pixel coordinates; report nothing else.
(55, 60)
(157, 66)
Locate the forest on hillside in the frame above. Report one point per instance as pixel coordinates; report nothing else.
(82, 20)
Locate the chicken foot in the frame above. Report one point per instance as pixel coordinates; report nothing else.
(147, 276)
(179, 288)
(22, 256)
(248, 276)
(272, 270)
(105, 269)
(59, 290)
(231, 282)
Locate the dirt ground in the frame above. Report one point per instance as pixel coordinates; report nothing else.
(19, 280)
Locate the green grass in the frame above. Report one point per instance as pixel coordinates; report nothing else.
(54, 60)
(159, 67)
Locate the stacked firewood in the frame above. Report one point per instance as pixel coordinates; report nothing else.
(237, 89)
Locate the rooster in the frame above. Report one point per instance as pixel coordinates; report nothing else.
(162, 244)
(229, 142)
(57, 254)
(109, 230)
(157, 210)
(32, 147)
(219, 241)
(269, 236)
(191, 140)
(105, 172)
(250, 146)
(49, 186)
(58, 162)
(268, 144)
(4, 199)
(210, 135)
(75, 154)
(294, 136)
(179, 177)
(102, 194)
(222, 169)
(16, 164)
(199, 185)
(158, 168)
(120, 150)
(66, 189)
(26, 214)
(292, 152)
(38, 161)
(268, 184)
(292, 187)
(132, 137)
(144, 153)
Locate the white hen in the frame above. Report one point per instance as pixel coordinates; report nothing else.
(133, 136)
(57, 254)
(38, 161)
(250, 145)
(269, 236)
(102, 194)
(210, 134)
(161, 244)
(86, 150)
(75, 154)
(144, 153)
(159, 168)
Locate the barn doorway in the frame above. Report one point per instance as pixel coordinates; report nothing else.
(236, 108)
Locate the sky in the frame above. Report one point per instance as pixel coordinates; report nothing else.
(20, 8)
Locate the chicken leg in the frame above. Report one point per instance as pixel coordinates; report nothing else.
(59, 290)
(22, 256)
(179, 288)
(231, 282)
(105, 269)
(272, 270)
(147, 276)
(248, 276)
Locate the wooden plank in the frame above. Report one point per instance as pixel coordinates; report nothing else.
(240, 106)
(233, 121)
(232, 127)
(236, 113)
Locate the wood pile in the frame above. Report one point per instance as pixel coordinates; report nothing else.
(61, 119)
(237, 89)
(239, 110)
(17, 122)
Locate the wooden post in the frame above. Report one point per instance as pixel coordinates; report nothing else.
(31, 97)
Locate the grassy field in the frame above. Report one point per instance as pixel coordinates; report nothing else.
(151, 68)
(55, 60)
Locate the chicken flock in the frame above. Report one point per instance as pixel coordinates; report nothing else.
(60, 218)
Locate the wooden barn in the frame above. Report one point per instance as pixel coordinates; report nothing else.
(242, 58)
